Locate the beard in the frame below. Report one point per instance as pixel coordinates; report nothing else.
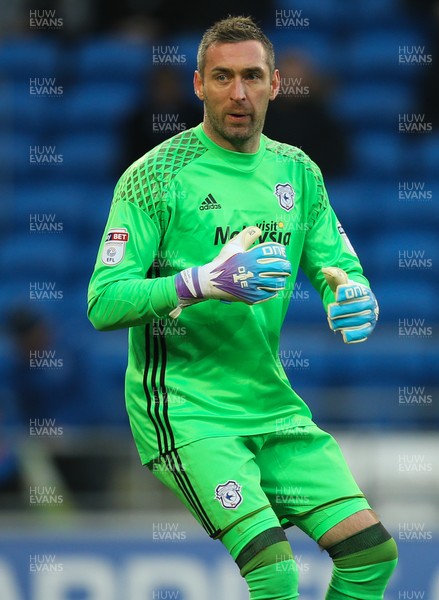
(237, 134)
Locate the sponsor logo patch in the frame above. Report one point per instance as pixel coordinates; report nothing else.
(285, 195)
(113, 251)
(229, 494)
(272, 231)
(209, 203)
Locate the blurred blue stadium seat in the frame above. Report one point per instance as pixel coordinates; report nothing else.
(15, 151)
(376, 405)
(89, 156)
(95, 201)
(357, 201)
(96, 105)
(320, 15)
(374, 53)
(10, 153)
(425, 151)
(64, 200)
(23, 111)
(29, 56)
(405, 297)
(106, 357)
(6, 105)
(87, 255)
(179, 52)
(404, 274)
(305, 303)
(384, 359)
(366, 104)
(368, 205)
(404, 251)
(374, 13)
(40, 255)
(410, 202)
(7, 195)
(317, 46)
(14, 292)
(112, 59)
(183, 51)
(378, 153)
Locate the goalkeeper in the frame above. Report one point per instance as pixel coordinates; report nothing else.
(200, 253)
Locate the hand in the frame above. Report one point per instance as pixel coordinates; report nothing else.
(237, 274)
(355, 310)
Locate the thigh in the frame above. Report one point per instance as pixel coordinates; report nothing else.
(307, 480)
(217, 479)
(349, 526)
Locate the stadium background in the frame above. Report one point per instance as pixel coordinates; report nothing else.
(86, 88)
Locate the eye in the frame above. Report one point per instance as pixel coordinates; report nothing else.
(221, 77)
(254, 75)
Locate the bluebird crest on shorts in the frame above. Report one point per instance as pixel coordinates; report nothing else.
(229, 494)
(285, 194)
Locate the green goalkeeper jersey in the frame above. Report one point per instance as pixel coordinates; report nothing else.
(215, 371)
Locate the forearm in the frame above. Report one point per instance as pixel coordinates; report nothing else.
(326, 245)
(131, 302)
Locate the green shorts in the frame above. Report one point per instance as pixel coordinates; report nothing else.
(298, 477)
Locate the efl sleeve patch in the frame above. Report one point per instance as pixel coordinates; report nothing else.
(113, 251)
(347, 241)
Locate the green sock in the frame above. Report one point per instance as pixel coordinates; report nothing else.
(278, 581)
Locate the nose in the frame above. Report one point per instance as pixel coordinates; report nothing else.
(237, 91)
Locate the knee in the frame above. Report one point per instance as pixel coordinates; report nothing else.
(268, 565)
(371, 545)
(363, 563)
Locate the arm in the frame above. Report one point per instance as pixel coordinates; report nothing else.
(334, 269)
(122, 292)
(326, 244)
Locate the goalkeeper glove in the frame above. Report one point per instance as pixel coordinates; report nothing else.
(237, 274)
(355, 310)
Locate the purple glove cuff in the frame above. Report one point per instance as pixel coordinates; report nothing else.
(185, 282)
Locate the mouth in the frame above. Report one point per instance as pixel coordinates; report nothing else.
(236, 117)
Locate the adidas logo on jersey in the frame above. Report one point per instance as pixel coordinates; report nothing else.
(209, 203)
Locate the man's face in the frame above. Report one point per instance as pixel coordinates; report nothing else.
(236, 87)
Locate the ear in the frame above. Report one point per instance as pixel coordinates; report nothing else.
(275, 84)
(198, 85)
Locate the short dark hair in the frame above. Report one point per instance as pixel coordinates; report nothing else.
(230, 30)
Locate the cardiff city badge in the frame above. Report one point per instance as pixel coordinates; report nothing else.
(229, 494)
(113, 251)
(285, 195)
